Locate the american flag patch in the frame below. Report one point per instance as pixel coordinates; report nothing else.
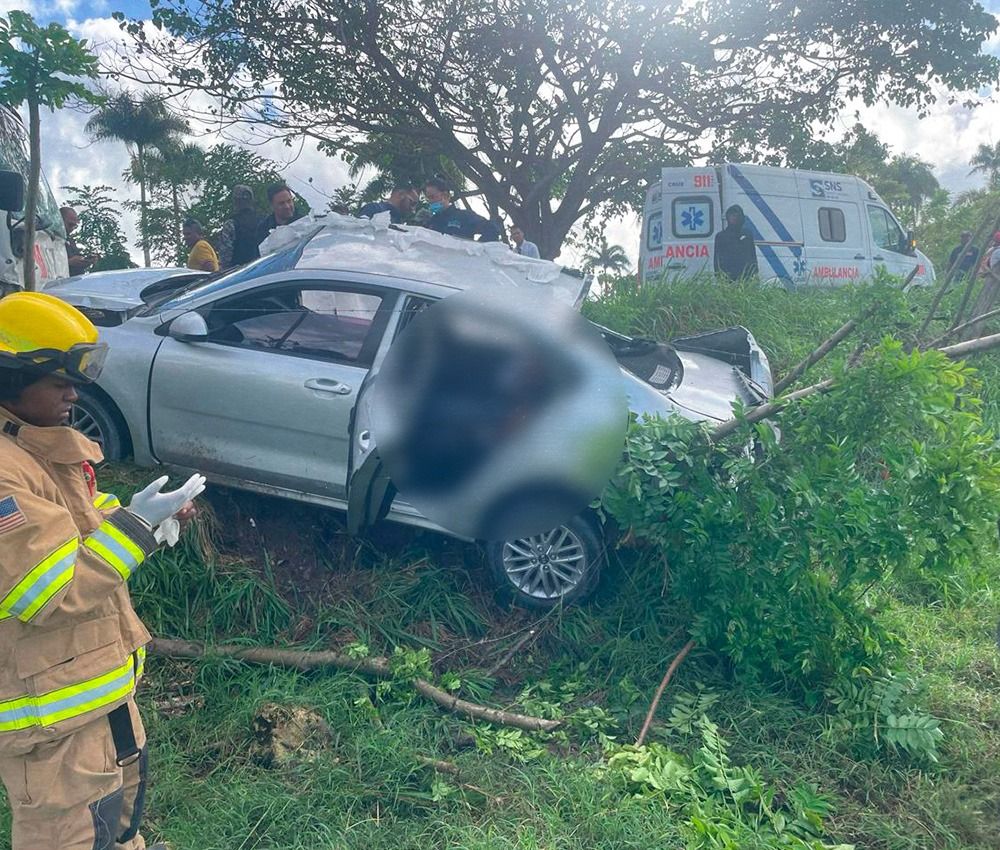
(10, 514)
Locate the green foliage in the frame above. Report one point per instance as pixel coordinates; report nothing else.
(100, 230)
(35, 62)
(725, 806)
(891, 475)
(520, 97)
(873, 713)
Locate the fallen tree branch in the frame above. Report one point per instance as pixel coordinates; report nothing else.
(655, 704)
(773, 408)
(959, 328)
(376, 666)
(529, 638)
(821, 351)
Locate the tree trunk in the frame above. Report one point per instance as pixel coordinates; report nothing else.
(144, 233)
(177, 219)
(31, 205)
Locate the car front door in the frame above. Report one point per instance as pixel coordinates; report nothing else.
(267, 397)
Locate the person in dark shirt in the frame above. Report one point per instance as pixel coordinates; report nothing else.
(400, 206)
(236, 244)
(282, 201)
(735, 253)
(449, 219)
(78, 263)
(965, 255)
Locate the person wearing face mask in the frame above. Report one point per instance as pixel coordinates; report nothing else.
(446, 218)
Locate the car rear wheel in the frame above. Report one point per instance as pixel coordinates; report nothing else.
(561, 566)
(96, 418)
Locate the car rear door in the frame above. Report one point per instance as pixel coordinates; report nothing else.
(268, 397)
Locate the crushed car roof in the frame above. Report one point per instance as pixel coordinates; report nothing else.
(416, 253)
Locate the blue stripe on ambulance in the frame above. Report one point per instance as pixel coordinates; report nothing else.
(772, 218)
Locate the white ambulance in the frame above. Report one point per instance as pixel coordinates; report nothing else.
(810, 228)
(50, 257)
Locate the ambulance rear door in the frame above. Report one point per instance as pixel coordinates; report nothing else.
(691, 218)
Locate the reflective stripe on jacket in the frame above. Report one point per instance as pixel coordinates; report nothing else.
(70, 641)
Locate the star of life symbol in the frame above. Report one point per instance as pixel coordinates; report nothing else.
(800, 267)
(693, 219)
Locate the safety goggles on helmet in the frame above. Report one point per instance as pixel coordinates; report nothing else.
(82, 363)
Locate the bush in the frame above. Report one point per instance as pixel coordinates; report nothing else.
(778, 560)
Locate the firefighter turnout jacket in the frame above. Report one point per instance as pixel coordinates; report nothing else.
(71, 645)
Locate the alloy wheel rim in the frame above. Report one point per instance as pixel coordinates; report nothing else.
(546, 566)
(86, 424)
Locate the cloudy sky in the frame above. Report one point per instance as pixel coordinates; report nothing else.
(947, 138)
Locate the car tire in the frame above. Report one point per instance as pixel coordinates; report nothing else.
(95, 416)
(525, 576)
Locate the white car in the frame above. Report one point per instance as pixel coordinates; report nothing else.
(258, 377)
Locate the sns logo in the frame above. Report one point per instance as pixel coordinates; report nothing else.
(819, 188)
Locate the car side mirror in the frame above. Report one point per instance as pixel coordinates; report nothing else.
(187, 327)
(11, 191)
(909, 245)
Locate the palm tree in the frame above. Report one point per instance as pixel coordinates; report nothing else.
(609, 258)
(142, 124)
(176, 166)
(987, 161)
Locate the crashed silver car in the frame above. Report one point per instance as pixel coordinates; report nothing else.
(257, 378)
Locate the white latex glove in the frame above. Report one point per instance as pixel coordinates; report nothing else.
(168, 531)
(154, 507)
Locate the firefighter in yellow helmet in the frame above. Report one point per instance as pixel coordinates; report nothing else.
(72, 746)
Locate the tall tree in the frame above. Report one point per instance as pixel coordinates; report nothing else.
(555, 108)
(142, 123)
(987, 161)
(100, 226)
(34, 64)
(608, 258)
(173, 174)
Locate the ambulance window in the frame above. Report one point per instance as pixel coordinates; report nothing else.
(832, 227)
(692, 217)
(654, 232)
(885, 232)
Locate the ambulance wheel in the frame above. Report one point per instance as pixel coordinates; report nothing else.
(95, 416)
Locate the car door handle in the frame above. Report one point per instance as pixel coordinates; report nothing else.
(859, 256)
(327, 385)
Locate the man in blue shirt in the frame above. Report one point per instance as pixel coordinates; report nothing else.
(449, 219)
(400, 206)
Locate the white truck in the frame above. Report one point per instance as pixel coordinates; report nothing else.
(50, 238)
(810, 228)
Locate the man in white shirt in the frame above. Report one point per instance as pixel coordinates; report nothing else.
(521, 245)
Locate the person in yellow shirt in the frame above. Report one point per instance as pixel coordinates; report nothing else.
(202, 256)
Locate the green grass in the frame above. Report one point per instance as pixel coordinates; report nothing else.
(597, 667)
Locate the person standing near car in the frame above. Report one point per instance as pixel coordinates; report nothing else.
(521, 245)
(282, 202)
(72, 745)
(78, 263)
(400, 205)
(202, 256)
(236, 244)
(449, 219)
(735, 252)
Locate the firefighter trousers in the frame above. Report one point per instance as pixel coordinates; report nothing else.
(70, 794)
